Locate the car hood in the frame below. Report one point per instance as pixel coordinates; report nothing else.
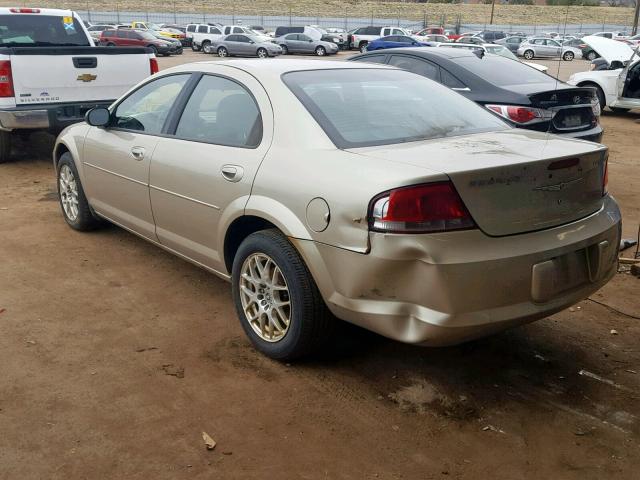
(610, 50)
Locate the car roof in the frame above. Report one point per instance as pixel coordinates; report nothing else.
(445, 52)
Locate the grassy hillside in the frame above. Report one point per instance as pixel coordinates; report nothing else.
(511, 14)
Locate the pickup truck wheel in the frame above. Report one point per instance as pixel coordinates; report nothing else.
(75, 208)
(321, 51)
(568, 56)
(363, 47)
(6, 141)
(223, 52)
(206, 47)
(262, 53)
(277, 301)
(195, 47)
(528, 54)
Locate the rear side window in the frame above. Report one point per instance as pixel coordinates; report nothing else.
(415, 65)
(121, 34)
(146, 109)
(238, 30)
(215, 31)
(108, 33)
(41, 30)
(366, 107)
(203, 29)
(222, 112)
(449, 80)
(371, 59)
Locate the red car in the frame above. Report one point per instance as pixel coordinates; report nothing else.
(127, 37)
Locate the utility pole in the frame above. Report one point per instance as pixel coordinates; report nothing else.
(635, 18)
(493, 6)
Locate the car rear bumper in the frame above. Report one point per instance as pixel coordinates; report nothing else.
(52, 117)
(593, 134)
(442, 289)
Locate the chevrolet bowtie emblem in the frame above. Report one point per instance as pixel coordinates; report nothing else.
(87, 77)
(558, 186)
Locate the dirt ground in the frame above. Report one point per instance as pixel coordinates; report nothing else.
(115, 356)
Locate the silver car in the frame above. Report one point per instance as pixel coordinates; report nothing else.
(547, 47)
(302, 43)
(356, 191)
(245, 46)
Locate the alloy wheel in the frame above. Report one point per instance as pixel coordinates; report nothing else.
(265, 298)
(262, 53)
(222, 52)
(68, 192)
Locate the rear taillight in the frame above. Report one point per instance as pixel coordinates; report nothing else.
(24, 10)
(522, 115)
(6, 79)
(605, 176)
(153, 64)
(428, 208)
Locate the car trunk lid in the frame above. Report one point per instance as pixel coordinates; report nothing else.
(574, 108)
(509, 183)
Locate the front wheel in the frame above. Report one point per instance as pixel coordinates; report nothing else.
(277, 301)
(528, 54)
(568, 56)
(195, 47)
(285, 50)
(363, 47)
(207, 48)
(321, 51)
(75, 208)
(223, 52)
(262, 53)
(592, 55)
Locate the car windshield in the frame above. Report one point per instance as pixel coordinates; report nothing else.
(502, 51)
(41, 30)
(366, 107)
(503, 72)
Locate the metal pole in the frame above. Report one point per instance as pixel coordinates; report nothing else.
(146, 9)
(634, 29)
(493, 6)
(290, 19)
(118, 12)
(204, 13)
(175, 16)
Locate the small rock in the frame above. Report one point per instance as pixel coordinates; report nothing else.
(395, 428)
(227, 453)
(613, 332)
(208, 441)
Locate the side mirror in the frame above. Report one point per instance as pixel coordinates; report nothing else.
(98, 117)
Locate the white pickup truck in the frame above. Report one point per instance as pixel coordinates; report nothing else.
(361, 37)
(51, 72)
(204, 37)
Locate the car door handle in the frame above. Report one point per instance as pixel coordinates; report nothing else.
(232, 173)
(138, 153)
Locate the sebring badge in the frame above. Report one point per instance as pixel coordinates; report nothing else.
(86, 77)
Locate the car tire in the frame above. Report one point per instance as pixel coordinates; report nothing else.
(285, 50)
(529, 54)
(223, 52)
(262, 53)
(568, 56)
(599, 93)
(6, 141)
(73, 202)
(363, 47)
(195, 48)
(310, 323)
(592, 55)
(619, 110)
(110, 44)
(321, 51)
(206, 47)
(154, 49)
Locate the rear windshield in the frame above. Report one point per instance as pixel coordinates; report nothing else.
(35, 30)
(366, 107)
(503, 71)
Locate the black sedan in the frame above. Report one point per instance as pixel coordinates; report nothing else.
(520, 94)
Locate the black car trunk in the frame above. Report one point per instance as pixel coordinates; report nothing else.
(573, 107)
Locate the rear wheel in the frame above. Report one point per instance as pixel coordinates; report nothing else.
(321, 51)
(154, 49)
(528, 54)
(111, 44)
(6, 141)
(195, 47)
(285, 50)
(568, 56)
(277, 301)
(75, 208)
(363, 47)
(223, 52)
(262, 53)
(206, 47)
(592, 55)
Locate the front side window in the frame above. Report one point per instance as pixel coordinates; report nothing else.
(222, 112)
(191, 28)
(202, 29)
(414, 65)
(292, 36)
(366, 107)
(215, 31)
(238, 30)
(146, 109)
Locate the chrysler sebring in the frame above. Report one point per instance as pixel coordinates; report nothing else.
(356, 191)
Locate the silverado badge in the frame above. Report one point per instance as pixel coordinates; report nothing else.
(87, 77)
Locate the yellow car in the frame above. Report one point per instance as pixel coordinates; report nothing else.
(157, 29)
